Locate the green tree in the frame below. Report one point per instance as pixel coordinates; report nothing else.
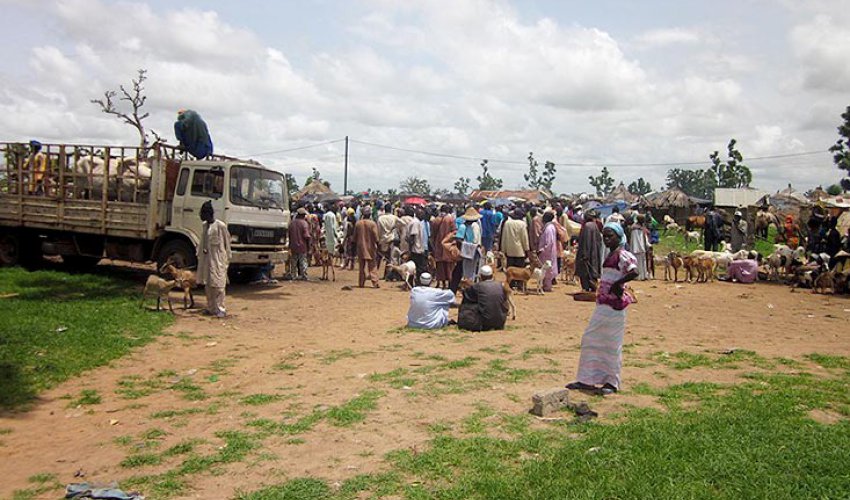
(698, 183)
(834, 190)
(841, 149)
(733, 173)
(462, 185)
(640, 187)
(291, 184)
(537, 180)
(415, 185)
(603, 182)
(487, 182)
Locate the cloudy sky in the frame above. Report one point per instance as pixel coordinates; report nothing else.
(638, 86)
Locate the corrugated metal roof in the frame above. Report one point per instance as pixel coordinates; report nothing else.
(734, 197)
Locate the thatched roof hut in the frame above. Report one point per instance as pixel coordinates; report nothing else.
(621, 193)
(673, 202)
(316, 187)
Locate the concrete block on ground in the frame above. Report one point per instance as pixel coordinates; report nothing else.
(550, 401)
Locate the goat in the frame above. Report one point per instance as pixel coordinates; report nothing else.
(185, 279)
(668, 220)
(326, 260)
(692, 236)
(568, 267)
(691, 266)
(824, 280)
(521, 274)
(161, 287)
(407, 271)
(539, 273)
(674, 262)
(671, 227)
(509, 298)
(499, 260)
(706, 267)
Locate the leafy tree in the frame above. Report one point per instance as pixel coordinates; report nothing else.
(733, 173)
(136, 98)
(392, 193)
(441, 192)
(415, 185)
(487, 182)
(640, 187)
(603, 182)
(536, 180)
(462, 185)
(291, 184)
(699, 183)
(834, 190)
(841, 149)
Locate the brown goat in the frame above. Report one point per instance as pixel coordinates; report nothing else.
(185, 279)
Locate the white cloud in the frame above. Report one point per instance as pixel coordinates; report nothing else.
(667, 36)
(822, 46)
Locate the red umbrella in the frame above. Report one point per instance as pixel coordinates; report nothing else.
(415, 200)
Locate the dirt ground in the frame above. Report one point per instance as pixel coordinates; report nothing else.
(315, 345)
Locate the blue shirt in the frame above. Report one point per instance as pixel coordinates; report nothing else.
(429, 307)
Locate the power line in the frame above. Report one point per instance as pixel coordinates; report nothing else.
(575, 164)
(295, 149)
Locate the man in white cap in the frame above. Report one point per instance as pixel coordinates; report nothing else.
(485, 305)
(739, 232)
(429, 307)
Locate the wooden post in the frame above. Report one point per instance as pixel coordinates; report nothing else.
(104, 189)
(61, 190)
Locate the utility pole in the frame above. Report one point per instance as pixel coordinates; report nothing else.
(345, 178)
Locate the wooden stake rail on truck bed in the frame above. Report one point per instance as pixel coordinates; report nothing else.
(103, 190)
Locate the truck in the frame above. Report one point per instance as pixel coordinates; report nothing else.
(138, 204)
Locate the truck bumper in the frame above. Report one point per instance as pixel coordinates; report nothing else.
(256, 258)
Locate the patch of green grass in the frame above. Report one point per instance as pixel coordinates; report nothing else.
(157, 486)
(706, 450)
(176, 413)
(5, 430)
(86, 397)
(682, 360)
(459, 363)
(529, 353)
(283, 366)
(182, 448)
(828, 361)
(153, 434)
(141, 460)
(45, 482)
(58, 325)
(336, 355)
(354, 410)
(474, 423)
(190, 390)
(396, 379)
(260, 399)
(294, 489)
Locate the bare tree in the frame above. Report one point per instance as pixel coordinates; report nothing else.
(136, 98)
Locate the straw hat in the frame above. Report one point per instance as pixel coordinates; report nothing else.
(471, 214)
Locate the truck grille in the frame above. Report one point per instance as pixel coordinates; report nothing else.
(256, 235)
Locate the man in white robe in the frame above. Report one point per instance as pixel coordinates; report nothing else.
(213, 259)
(331, 227)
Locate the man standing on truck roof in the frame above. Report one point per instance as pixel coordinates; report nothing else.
(213, 259)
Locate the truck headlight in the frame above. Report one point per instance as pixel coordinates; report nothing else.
(234, 238)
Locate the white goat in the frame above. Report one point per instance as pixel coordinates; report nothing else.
(407, 270)
(692, 236)
(539, 273)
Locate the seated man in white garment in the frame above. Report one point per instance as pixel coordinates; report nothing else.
(429, 307)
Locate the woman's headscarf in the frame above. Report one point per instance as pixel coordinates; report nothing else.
(618, 229)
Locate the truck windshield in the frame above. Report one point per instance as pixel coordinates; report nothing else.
(256, 187)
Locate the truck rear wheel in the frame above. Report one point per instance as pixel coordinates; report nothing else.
(178, 252)
(19, 250)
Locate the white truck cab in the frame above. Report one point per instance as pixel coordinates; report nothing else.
(252, 200)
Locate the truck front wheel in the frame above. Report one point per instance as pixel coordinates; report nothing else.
(178, 252)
